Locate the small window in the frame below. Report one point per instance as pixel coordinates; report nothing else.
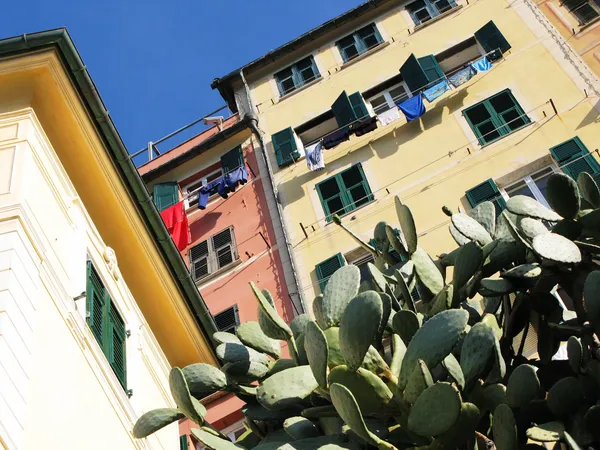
(486, 191)
(584, 10)
(106, 324)
(213, 254)
(344, 192)
(228, 320)
(496, 117)
(192, 190)
(573, 157)
(327, 268)
(423, 11)
(165, 195)
(359, 42)
(389, 98)
(297, 75)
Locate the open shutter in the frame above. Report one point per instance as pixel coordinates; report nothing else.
(224, 247)
(490, 38)
(413, 75)
(328, 268)
(117, 348)
(358, 105)
(573, 157)
(165, 195)
(343, 111)
(486, 191)
(228, 319)
(285, 147)
(431, 68)
(232, 159)
(183, 442)
(95, 304)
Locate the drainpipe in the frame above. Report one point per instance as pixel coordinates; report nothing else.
(252, 119)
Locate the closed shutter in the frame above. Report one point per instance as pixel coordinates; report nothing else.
(431, 68)
(183, 442)
(285, 147)
(165, 195)
(413, 75)
(227, 320)
(224, 248)
(490, 38)
(232, 159)
(358, 105)
(327, 268)
(199, 260)
(343, 111)
(95, 303)
(117, 350)
(486, 191)
(573, 157)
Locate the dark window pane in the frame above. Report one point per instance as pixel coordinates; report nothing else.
(502, 102)
(478, 114)
(304, 64)
(443, 5)
(422, 15)
(329, 188)
(371, 41)
(335, 205)
(541, 183)
(350, 52)
(347, 41)
(519, 188)
(224, 256)
(366, 31)
(359, 196)
(488, 131)
(514, 119)
(288, 85)
(307, 75)
(351, 177)
(200, 268)
(585, 13)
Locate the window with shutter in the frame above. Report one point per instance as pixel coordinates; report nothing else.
(431, 68)
(413, 74)
(285, 147)
(117, 352)
(217, 252)
(573, 157)
(296, 75)
(490, 38)
(359, 42)
(327, 268)
(183, 442)
(228, 320)
(422, 11)
(165, 195)
(95, 303)
(343, 110)
(584, 10)
(232, 159)
(223, 248)
(486, 191)
(344, 192)
(358, 105)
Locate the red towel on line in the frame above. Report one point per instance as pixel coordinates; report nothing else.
(177, 223)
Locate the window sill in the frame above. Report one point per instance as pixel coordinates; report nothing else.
(482, 146)
(588, 25)
(301, 88)
(365, 55)
(221, 271)
(436, 19)
(329, 222)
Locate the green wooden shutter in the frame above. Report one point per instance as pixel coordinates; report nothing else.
(358, 105)
(343, 111)
(117, 345)
(413, 75)
(490, 38)
(486, 191)
(165, 195)
(431, 68)
(183, 442)
(285, 147)
(95, 304)
(574, 158)
(232, 159)
(327, 268)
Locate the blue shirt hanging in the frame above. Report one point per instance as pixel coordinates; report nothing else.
(481, 65)
(462, 76)
(436, 90)
(413, 108)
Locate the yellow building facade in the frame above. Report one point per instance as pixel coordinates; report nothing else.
(488, 138)
(92, 309)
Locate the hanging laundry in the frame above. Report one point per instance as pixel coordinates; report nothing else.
(211, 188)
(462, 76)
(436, 90)
(364, 126)
(314, 156)
(235, 178)
(413, 108)
(481, 65)
(389, 116)
(336, 138)
(177, 224)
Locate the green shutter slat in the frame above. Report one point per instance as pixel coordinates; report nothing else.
(165, 195)
(574, 158)
(358, 105)
(431, 68)
(183, 442)
(490, 38)
(486, 191)
(95, 304)
(343, 111)
(327, 268)
(568, 149)
(232, 159)
(117, 343)
(285, 147)
(413, 75)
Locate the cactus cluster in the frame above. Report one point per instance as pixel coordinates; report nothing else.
(373, 368)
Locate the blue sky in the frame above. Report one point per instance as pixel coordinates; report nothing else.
(153, 60)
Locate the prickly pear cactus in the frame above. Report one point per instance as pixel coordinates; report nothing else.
(489, 356)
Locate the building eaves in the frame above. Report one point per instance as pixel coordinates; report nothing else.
(60, 41)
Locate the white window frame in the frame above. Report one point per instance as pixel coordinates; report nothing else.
(187, 193)
(530, 182)
(388, 97)
(212, 256)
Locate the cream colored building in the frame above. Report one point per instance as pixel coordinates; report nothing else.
(95, 304)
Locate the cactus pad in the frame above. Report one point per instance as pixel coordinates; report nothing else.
(277, 328)
(370, 392)
(204, 379)
(494, 395)
(436, 410)
(527, 206)
(230, 352)
(531, 227)
(557, 248)
(407, 227)
(504, 428)
(317, 308)
(562, 194)
(154, 420)
(378, 279)
(468, 261)
(523, 386)
(223, 337)
(419, 380)
(396, 242)
(341, 288)
(477, 349)
(591, 297)
(406, 323)
(575, 352)
(464, 427)
(589, 189)
(348, 409)
(546, 432)
(187, 404)
(245, 371)
(315, 344)
(485, 214)
(382, 243)
(399, 349)
(300, 428)
(279, 365)
(524, 271)
(433, 341)
(496, 286)
(359, 327)
(454, 370)
(565, 396)
(286, 388)
(252, 336)
(471, 228)
(214, 442)
(427, 271)
(298, 325)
